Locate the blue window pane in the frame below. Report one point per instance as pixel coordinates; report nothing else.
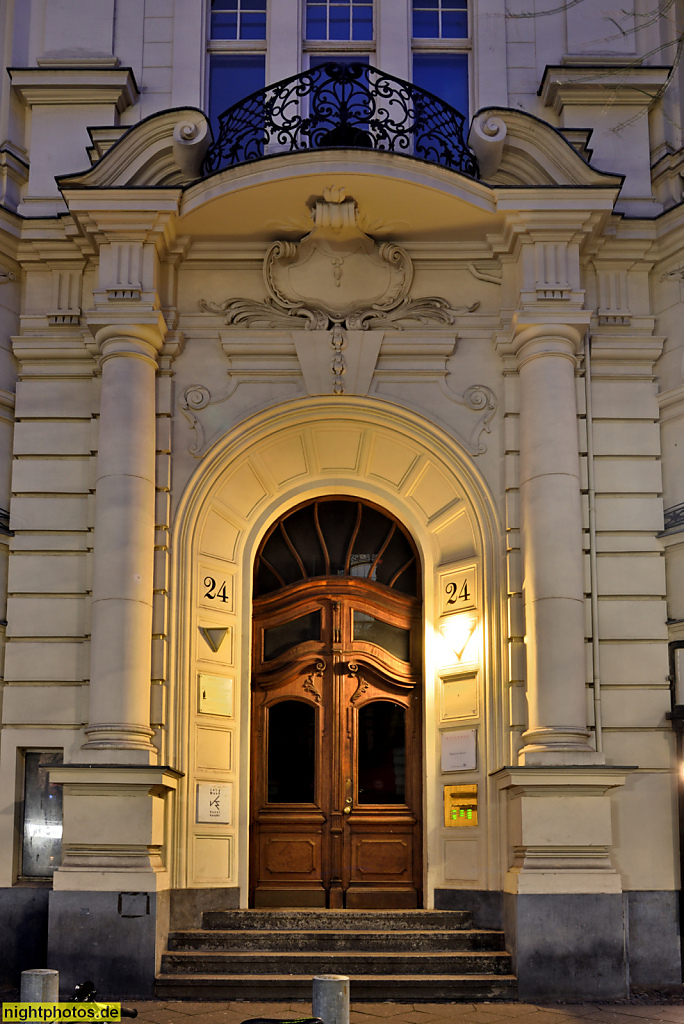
(254, 5)
(362, 22)
(336, 58)
(339, 21)
(232, 78)
(425, 25)
(454, 24)
(432, 4)
(253, 25)
(224, 26)
(444, 74)
(316, 23)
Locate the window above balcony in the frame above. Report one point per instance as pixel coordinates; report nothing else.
(339, 20)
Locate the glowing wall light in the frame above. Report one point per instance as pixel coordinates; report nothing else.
(457, 641)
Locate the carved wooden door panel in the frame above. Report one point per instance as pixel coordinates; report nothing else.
(336, 745)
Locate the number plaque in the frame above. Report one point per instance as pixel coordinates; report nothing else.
(458, 590)
(215, 590)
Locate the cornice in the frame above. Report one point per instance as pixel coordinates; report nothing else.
(671, 403)
(587, 85)
(91, 86)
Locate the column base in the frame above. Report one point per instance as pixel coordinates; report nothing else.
(565, 745)
(119, 737)
(567, 945)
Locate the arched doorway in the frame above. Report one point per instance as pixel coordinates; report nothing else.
(336, 763)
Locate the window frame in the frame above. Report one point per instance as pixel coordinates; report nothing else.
(231, 47)
(333, 47)
(454, 45)
(20, 879)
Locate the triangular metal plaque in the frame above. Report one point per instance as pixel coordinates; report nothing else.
(213, 637)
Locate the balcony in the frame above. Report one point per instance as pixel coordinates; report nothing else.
(341, 106)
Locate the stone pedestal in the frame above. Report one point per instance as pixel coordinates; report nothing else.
(109, 909)
(563, 903)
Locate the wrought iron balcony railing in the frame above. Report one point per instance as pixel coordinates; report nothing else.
(341, 106)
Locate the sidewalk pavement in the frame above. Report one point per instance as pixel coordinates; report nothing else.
(163, 1012)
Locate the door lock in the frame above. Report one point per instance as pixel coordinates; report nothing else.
(347, 806)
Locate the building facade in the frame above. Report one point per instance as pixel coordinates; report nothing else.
(342, 446)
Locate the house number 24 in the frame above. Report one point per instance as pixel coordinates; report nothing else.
(455, 593)
(215, 591)
(458, 590)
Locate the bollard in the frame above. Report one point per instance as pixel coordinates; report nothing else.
(39, 986)
(331, 998)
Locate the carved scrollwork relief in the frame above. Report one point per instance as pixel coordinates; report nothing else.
(337, 275)
(194, 398)
(477, 397)
(361, 683)
(309, 684)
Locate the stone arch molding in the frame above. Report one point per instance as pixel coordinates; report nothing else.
(278, 459)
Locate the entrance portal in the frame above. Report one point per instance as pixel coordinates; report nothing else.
(336, 711)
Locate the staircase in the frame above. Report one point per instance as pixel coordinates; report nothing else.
(405, 956)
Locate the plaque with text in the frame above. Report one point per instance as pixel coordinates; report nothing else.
(459, 751)
(214, 803)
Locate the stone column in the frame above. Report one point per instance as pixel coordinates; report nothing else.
(119, 718)
(551, 519)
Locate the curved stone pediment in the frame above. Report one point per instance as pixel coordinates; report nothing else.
(167, 149)
(533, 153)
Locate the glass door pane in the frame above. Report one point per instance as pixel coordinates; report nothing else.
(381, 753)
(291, 753)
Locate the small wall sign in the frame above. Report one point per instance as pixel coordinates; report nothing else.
(214, 802)
(215, 695)
(459, 751)
(459, 697)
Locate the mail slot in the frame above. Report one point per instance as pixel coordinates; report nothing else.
(460, 806)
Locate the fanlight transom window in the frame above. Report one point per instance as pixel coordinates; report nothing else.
(336, 537)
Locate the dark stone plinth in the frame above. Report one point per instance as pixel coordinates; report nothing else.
(23, 931)
(654, 938)
(567, 946)
(112, 939)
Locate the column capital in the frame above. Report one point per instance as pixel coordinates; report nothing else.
(531, 336)
(141, 340)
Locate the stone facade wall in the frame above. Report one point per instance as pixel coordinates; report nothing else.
(150, 433)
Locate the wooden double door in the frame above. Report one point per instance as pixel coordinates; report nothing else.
(336, 748)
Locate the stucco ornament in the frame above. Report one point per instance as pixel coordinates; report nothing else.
(337, 276)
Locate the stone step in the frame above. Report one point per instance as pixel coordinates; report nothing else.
(410, 988)
(351, 963)
(335, 941)
(326, 920)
